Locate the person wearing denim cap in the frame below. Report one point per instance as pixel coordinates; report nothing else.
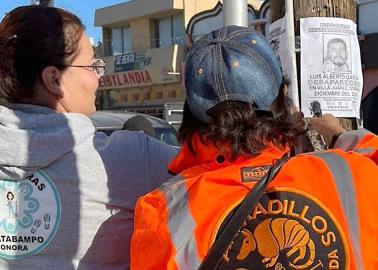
(237, 124)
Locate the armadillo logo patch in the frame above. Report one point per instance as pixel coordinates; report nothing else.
(30, 213)
(288, 229)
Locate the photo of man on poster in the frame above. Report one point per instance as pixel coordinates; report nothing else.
(336, 56)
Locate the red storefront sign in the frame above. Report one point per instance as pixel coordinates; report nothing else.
(125, 79)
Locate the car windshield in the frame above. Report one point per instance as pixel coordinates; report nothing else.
(166, 135)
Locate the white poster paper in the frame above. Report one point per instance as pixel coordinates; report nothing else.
(278, 39)
(331, 74)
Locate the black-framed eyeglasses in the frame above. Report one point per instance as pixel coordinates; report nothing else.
(98, 67)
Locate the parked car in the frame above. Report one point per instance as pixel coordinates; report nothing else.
(173, 112)
(108, 121)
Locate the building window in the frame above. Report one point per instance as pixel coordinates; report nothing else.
(114, 98)
(178, 29)
(147, 96)
(124, 97)
(171, 31)
(159, 95)
(120, 40)
(126, 40)
(172, 94)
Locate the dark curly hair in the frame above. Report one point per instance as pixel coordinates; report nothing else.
(246, 130)
(32, 38)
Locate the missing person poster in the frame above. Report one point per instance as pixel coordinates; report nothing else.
(331, 74)
(278, 39)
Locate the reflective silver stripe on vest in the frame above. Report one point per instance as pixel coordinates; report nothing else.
(345, 188)
(349, 139)
(181, 223)
(365, 150)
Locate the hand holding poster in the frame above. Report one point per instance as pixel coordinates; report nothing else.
(331, 71)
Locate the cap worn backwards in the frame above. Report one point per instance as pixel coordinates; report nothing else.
(232, 63)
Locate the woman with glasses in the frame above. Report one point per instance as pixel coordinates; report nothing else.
(75, 189)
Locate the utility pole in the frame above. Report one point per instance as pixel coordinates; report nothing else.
(314, 8)
(291, 43)
(235, 12)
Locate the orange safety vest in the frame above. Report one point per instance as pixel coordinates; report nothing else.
(320, 212)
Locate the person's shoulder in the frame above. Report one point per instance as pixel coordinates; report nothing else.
(332, 158)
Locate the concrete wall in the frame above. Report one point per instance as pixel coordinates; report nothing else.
(115, 15)
(368, 24)
(367, 17)
(112, 15)
(193, 7)
(142, 34)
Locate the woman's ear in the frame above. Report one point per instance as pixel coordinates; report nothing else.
(51, 78)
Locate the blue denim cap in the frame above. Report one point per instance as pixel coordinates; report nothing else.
(232, 63)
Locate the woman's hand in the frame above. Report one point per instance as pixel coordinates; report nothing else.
(327, 125)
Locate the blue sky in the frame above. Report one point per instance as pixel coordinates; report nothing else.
(85, 9)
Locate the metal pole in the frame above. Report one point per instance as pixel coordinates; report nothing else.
(235, 12)
(291, 40)
(46, 3)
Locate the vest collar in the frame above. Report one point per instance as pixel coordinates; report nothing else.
(209, 157)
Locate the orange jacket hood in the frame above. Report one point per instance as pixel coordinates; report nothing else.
(211, 157)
